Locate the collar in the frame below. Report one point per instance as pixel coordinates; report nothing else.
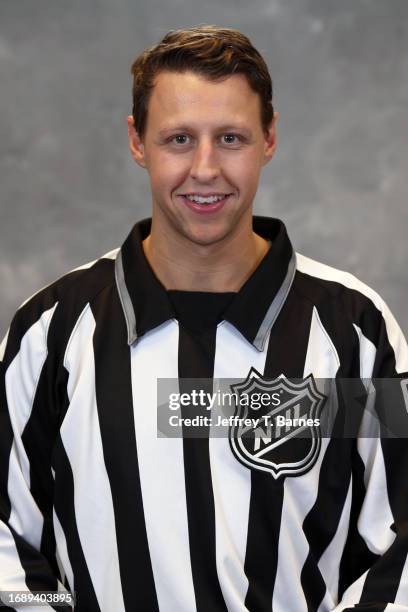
(253, 310)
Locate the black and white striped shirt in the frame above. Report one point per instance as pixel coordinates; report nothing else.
(92, 500)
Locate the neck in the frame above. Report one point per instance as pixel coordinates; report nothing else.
(224, 266)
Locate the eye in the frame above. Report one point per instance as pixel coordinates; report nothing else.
(179, 139)
(231, 138)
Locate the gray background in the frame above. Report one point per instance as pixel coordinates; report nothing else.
(70, 191)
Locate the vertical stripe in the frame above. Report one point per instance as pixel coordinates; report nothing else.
(196, 360)
(322, 360)
(330, 502)
(62, 553)
(38, 439)
(367, 354)
(356, 556)
(329, 562)
(263, 533)
(114, 388)
(267, 494)
(26, 518)
(234, 357)
(353, 356)
(65, 510)
(117, 429)
(21, 382)
(162, 472)
(299, 496)
(81, 438)
(375, 520)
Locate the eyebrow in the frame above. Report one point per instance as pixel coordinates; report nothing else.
(189, 128)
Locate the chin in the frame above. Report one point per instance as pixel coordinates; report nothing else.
(206, 236)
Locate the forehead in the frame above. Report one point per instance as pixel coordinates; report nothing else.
(184, 96)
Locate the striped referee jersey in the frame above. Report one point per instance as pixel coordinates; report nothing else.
(95, 502)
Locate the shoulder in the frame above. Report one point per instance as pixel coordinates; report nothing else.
(78, 285)
(337, 281)
(68, 296)
(317, 279)
(350, 304)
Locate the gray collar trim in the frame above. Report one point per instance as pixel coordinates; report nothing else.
(276, 305)
(125, 300)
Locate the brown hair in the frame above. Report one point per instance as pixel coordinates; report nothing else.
(207, 50)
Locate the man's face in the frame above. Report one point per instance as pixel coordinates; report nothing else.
(204, 139)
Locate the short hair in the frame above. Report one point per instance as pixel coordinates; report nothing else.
(208, 50)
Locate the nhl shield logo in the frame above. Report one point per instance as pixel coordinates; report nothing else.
(276, 425)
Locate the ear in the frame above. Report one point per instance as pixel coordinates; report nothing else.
(136, 145)
(270, 140)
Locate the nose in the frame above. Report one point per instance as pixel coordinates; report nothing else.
(205, 163)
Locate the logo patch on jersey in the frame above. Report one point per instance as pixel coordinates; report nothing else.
(276, 425)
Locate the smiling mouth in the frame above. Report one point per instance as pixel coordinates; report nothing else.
(205, 205)
(206, 200)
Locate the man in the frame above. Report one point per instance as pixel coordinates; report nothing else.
(92, 498)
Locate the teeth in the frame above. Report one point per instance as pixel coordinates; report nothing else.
(202, 200)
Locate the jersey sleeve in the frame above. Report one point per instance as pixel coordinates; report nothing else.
(27, 543)
(382, 524)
